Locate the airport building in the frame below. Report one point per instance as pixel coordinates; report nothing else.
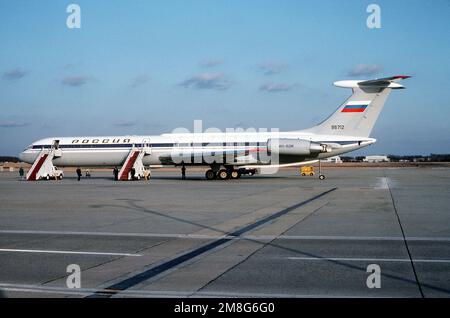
(335, 159)
(376, 158)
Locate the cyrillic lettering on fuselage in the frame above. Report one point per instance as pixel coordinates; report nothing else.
(104, 141)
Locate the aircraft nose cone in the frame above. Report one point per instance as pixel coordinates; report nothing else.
(22, 157)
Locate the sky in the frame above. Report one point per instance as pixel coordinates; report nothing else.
(149, 67)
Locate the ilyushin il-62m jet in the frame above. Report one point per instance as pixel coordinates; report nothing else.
(228, 154)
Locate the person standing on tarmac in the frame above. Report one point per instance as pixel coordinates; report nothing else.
(79, 174)
(183, 172)
(21, 173)
(133, 174)
(116, 173)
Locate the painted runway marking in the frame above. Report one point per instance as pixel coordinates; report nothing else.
(382, 184)
(10, 250)
(158, 269)
(113, 234)
(144, 293)
(366, 238)
(253, 237)
(406, 260)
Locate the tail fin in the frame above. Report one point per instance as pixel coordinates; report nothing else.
(357, 116)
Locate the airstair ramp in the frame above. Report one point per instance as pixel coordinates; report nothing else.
(134, 160)
(43, 166)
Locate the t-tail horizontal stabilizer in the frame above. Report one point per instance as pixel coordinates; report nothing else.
(386, 82)
(358, 114)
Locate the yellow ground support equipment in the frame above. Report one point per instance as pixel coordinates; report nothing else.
(307, 171)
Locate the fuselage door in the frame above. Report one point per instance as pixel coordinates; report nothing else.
(146, 147)
(55, 144)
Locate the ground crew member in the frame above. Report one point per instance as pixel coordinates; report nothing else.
(21, 173)
(79, 174)
(88, 173)
(116, 173)
(133, 172)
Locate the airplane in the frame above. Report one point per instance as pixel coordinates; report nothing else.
(228, 154)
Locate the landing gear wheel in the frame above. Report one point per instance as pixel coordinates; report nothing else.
(210, 175)
(222, 174)
(235, 174)
(321, 177)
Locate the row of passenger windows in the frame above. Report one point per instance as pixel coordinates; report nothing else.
(161, 145)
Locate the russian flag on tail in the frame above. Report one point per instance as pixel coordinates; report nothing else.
(355, 107)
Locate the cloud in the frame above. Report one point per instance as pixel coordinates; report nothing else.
(210, 63)
(125, 124)
(11, 124)
(139, 80)
(277, 87)
(216, 81)
(14, 74)
(271, 67)
(75, 81)
(364, 70)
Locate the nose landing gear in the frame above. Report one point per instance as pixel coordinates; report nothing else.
(321, 176)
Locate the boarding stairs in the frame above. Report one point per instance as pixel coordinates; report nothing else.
(134, 160)
(43, 167)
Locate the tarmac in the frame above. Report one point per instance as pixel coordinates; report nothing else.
(280, 235)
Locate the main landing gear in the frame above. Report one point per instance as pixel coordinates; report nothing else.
(210, 175)
(227, 173)
(223, 174)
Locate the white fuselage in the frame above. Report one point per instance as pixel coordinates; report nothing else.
(113, 150)
(345, 130)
